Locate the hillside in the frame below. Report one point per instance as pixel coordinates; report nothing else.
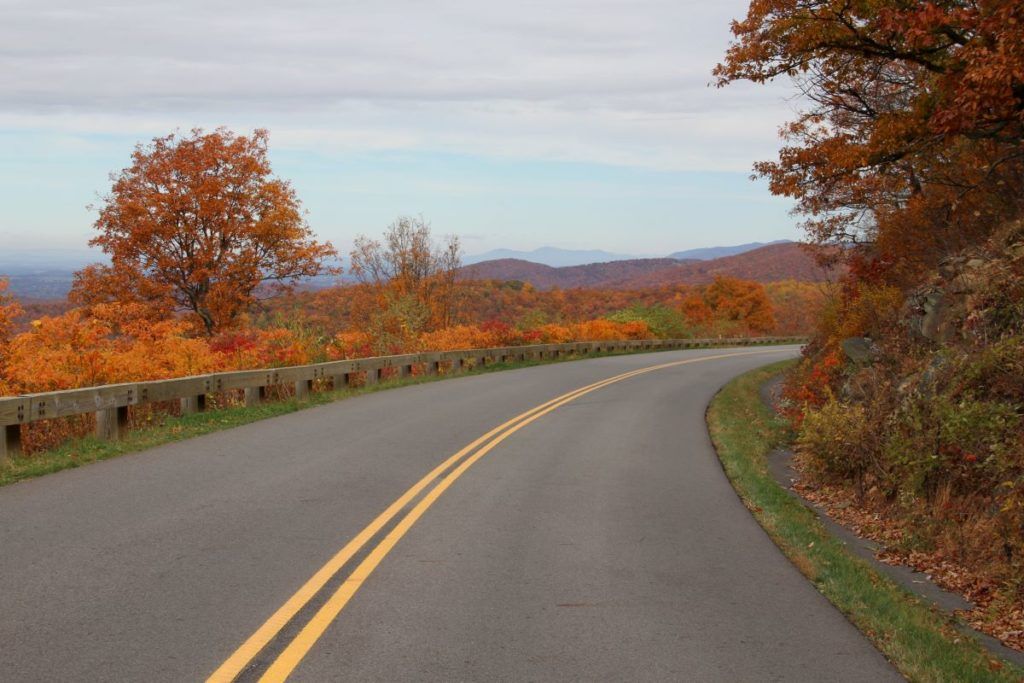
(546, 277)
(772, 263)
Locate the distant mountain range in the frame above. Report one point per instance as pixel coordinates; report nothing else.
(560, 258)
(550, 256)
(47, 273)
(708, 253)
(771, 263)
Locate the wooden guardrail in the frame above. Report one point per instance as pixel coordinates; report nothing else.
(110, 402)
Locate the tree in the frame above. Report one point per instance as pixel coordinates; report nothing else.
(409, 268)
(198, 223)
(9, 311)
(913, 141)
(733, 301)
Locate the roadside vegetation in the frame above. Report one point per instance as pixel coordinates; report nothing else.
(207, 249)
(907, 161)
(920, 641)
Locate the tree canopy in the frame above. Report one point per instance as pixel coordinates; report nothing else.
(913, 138)
(198, 223)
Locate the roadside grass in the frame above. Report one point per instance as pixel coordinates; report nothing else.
(922, 642)
(82, 451)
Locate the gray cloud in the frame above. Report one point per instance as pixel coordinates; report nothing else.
(622, 81)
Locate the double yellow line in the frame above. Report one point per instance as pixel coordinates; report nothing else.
(290, 657)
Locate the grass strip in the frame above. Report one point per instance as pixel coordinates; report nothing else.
(921, 641)
(82, 451)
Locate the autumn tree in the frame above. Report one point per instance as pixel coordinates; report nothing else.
(9, 311)
(696, 311)
(411, 277)
(912, 140)
(199, 223)
(740, 303)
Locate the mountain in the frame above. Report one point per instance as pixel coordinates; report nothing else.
(550, 256)
(561, 258)
(771, 263)
(708, 253)
(546, 277)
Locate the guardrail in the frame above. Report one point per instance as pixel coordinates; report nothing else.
(110, 403)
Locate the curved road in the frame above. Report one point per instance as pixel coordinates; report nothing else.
(596, 539)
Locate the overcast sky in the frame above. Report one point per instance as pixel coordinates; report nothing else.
(579, 124)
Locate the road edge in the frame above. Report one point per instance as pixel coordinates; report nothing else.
(920, 641)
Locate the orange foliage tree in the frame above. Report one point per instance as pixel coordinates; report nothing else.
(198, 223)
(740, 304)
(9, 310)
(913, 140)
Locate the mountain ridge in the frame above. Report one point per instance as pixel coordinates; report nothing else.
(770, 263)
(550, 256)
(709, 253)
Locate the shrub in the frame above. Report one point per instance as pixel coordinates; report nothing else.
(839, 440)
(662, 321)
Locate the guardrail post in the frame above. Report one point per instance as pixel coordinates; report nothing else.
(433, 366)
(405, 370)
(10, 441)
(341, 380)
(193, 404)
(111, 423)
(255, 395)
(302, 389)
(372, 376)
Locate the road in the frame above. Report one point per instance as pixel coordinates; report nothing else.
(594, 539)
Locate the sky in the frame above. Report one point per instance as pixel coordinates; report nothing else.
(581, 124)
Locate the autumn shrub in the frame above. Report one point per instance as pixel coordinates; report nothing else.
(662, 321)
(9, 311)
(739, 306)
(350, 344)
(840, 440)
(796, 305)
(110, 346)
(608, 330)
(268, 348)
(554, 334)
(397, 323)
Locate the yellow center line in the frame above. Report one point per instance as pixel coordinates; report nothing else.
(272, 626)
(300, 645)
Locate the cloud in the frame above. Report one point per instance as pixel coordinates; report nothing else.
(617, 82)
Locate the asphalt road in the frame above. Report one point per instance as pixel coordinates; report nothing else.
(600, 541)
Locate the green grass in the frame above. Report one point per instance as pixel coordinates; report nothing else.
(920, 641)
(82, 451)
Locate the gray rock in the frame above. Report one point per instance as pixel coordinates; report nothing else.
(858, 349)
